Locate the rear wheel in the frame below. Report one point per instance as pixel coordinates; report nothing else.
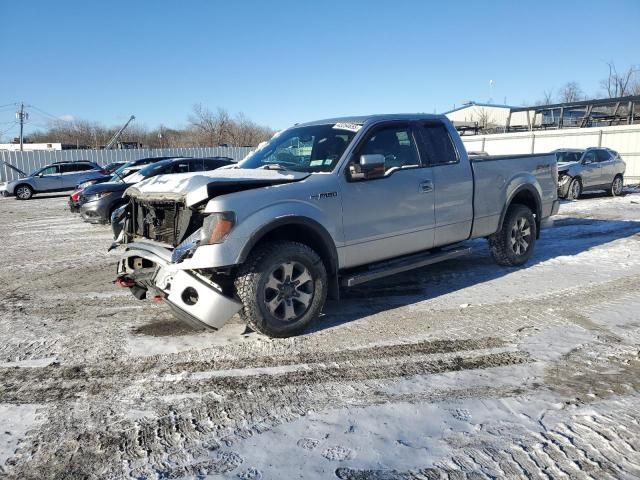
(283, 287)
(513, 245)
(575, 189)
(24, 192)
(616, 186)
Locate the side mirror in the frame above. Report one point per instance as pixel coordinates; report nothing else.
(370, 166)
(587, 161)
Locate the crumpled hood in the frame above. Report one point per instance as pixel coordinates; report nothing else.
(564, 166)
(193, 188)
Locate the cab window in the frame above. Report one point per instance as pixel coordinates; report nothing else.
(395, 143)
(437, 146)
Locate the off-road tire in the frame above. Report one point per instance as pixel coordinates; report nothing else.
(252, 278)
(500, 242)
(616, 188)
(570, 191)
(25, 188)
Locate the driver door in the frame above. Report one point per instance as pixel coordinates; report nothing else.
(590, 171)
(394, 214)
(49, 179)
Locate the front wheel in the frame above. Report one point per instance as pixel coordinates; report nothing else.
(282, 287)
(24, 192)
(513, 245)
(575, 189)
(616, 186)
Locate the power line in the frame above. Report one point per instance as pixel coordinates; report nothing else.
(8, 129)
(48, 114)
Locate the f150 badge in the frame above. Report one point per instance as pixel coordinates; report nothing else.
(322, 196)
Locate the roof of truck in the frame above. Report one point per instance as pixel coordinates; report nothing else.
(375, 118)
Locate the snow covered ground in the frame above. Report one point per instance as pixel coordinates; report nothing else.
(459, 370)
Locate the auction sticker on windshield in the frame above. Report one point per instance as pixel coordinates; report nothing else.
(353, 127)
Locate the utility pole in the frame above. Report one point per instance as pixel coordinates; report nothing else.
(22, 116)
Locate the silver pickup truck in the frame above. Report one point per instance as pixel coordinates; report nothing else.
(324, 205)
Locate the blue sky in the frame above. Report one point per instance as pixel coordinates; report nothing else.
(283, 62)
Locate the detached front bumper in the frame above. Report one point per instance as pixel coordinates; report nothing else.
(192, 297)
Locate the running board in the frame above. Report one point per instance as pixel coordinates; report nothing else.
(391, 267)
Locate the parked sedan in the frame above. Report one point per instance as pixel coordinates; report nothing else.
(117, 174)
(588, 170)
(56, 177)
(97, 202)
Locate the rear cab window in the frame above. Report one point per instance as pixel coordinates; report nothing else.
(436, 145)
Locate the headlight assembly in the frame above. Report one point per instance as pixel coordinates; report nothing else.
(216, 227)
(97, 196)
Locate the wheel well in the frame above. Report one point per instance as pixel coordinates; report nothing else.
(527, 198)
(302, 234)
(24, 184)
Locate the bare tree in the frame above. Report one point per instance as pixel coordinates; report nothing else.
(620, 84)
(571, 92)
(483, 117)
(206, 128)
(547, 98)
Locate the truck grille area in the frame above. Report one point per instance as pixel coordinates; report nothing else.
(164, 221)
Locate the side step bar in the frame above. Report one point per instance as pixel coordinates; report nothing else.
(391, 267)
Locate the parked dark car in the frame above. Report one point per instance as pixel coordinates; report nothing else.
(124, 169)
(56, 177)
(112, 167)
(97, 202)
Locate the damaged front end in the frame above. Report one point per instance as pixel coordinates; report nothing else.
(157, 237)
(564, 180)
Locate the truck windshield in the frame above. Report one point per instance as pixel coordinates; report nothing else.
(315, 148)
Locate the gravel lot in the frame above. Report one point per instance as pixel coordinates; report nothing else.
(460, 370)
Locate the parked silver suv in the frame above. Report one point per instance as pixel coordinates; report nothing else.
(591, 169)
(56, 177)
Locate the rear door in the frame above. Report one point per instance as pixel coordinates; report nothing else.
(607, 166)
(453, 183)
(70, 174)
(86, 171)
(392, 215)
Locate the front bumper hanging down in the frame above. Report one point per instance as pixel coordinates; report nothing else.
(192, 297)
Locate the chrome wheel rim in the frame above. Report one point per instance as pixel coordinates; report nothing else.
(23, 192)
(520, 236)
(617, 186)
(575, 189)
(289, 291)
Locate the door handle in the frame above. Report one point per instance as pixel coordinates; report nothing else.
(426, 186)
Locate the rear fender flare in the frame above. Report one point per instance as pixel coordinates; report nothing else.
(530, 188)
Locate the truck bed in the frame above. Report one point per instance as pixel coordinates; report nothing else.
(496, 178)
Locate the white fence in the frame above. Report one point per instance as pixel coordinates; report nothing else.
(623, 139)
(28, 162)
